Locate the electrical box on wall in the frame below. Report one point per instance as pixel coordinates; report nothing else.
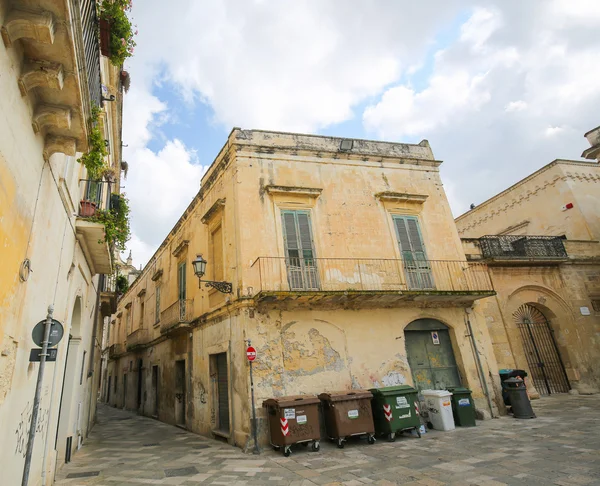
(567, 206)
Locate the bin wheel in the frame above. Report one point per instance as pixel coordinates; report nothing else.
(316, 446)
(371, 439)
(418, 432)
(340, 443)
(287, 451)
(276, 447)
(391, 437)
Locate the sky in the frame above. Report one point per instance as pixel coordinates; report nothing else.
(499, 88)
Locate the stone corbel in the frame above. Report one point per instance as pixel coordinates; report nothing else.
(19, 24)
(50, 116)
(41, 73)
(55, 144)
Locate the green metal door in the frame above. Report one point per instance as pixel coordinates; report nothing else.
(430, 355)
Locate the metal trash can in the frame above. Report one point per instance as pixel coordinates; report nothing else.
(463, 408)
(519, 401)
(293, 420)
(348, 414)
(505, 374)
(395, 410)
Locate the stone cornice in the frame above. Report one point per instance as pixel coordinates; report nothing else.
(295, 191)
(218, 206)
(389, 196)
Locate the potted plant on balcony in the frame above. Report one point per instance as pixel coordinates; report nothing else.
(116, 223)
(122, 284)
(125, 80)
(118, 44)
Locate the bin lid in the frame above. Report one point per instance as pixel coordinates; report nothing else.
(458, 389)
(290, 401)
(435, 393)
(393, 390)
(345, 395)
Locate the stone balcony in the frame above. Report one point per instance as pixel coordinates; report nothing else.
(368, 282)
(56, 44)
(137, 339)
(177, 317)
(116, 350)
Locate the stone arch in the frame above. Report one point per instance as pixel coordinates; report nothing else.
(559, 316)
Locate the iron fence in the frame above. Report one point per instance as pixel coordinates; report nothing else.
(518, 246)
(365, 274)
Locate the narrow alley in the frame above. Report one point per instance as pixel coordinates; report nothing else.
(561, 446)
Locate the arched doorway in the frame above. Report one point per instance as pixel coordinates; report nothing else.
(545, 364)
(430, 355)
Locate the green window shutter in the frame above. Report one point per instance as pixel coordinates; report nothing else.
(409, 237)
(299, 250)
(181, 279)
(306, 242)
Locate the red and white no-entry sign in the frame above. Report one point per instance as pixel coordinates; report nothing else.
(251, 353)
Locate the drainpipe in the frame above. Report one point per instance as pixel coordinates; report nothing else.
(486, 391)
(93, 352)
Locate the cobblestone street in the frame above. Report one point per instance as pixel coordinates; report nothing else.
(561, 446)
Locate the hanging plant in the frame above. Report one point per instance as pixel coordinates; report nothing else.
(116, 223)
(122, 284)
(121, 38)
(125, 80)
(93, 160)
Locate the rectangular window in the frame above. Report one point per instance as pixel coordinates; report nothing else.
(157, 304)
(300, 258)
(216, 243)
(142, 306)
(417, 268)
(181, 281)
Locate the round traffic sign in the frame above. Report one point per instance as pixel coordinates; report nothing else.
(251, 353)
(56, 333)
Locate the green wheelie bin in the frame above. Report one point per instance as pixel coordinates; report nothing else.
(395, 410)
(463, 408)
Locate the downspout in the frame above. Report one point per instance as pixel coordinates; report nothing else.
(93, 352)
(486, 391)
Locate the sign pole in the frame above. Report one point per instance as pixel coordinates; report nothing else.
(36, 398)
(254, 433)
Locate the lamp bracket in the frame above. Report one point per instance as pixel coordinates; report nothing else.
(223, 287)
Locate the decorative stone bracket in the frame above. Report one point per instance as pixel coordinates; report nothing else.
(54, 144)
(47, 116)
(41, 73)
(19, 24)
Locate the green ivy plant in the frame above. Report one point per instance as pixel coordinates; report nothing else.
(116, 223)
(122, 35)
(122, 284)
(93, 160)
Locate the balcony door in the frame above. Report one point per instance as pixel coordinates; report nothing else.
(299, 251)
(416, 266)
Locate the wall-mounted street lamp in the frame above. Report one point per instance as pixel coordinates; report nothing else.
(200, 269)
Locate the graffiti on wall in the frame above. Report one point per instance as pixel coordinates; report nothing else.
(24, 425)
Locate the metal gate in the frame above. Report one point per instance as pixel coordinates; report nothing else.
(223, 392)
(545, 364)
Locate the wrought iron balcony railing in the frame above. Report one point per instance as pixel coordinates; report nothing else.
(95, 195)
(180, 312)
(522, 247)
(365, 274)
(91, 48)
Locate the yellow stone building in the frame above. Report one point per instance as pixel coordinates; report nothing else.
(51, 76)
(346, 271)
(540, 240)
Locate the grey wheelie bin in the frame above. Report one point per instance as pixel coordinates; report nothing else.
(348, 414)
(293, 420)
(394, 410)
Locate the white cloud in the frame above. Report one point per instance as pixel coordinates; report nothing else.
(518, 105)
(515, 91)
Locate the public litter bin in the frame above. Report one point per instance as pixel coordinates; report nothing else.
(395, 410)
(519, 401)
(347, 414)
(505, 374)
(463, 409)
(293, 420)
(439, 406)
